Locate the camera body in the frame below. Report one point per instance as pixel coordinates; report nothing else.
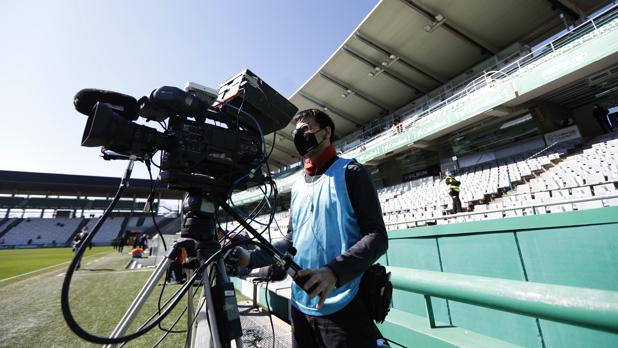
(212, 142)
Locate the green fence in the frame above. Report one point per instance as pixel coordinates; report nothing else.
(573, 249)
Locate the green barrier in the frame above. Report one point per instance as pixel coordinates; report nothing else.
(590, 308)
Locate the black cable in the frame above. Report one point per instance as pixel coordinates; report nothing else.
(64, 298)
(251, 217)
(272, 326)
(273, 188)
(159, 310)
(152, 193)
(167, 332)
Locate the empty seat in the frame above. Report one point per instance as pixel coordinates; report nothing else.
(612, 202)
(523, 188)
(542, 196)
(495, 215)
(594, 178)
(560, 208)
(581, 192)
(560, 195)
(605, 189)
(588, 205)
(480, 207)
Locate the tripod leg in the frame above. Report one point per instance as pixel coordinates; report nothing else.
(190, 311)
(140, 299)
(207, 332)
(223, 276)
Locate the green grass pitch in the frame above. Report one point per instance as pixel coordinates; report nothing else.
(15, 262)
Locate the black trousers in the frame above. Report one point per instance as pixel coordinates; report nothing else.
(604, 124)
(349, 327)
(456, 203)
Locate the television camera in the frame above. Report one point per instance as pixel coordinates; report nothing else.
(213, 140)
(213, 143)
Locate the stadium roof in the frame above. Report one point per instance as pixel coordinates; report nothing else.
(404, 49)
(12, 182)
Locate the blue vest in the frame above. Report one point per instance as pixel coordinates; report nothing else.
(324, 227)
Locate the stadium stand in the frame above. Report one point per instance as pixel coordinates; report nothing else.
(528, 178)
(42, 231)
(108, 232)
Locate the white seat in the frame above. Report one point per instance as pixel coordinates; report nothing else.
(581, 192)
(560, 195)
(560, 208)
(480, 207)
(588, 205)
(605, 189)
(523, 188)
(595, 178)
(495, 215)
(612, 202)
(542, 196)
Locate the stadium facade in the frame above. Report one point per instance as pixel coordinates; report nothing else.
(48, 210)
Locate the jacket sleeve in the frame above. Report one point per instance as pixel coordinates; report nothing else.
(374, 241)
(260, 258)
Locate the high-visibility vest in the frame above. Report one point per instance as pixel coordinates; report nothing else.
(453, 184)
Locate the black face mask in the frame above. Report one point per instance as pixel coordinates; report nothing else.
(305, 141)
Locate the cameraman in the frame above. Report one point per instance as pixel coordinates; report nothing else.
(337, 228)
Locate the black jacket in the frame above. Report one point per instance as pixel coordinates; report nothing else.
(374, 241)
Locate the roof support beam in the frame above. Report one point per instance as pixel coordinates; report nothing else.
(567, 7)
(284, 135)
(281, 156)
(357, 93)
(364, 39)
(412, 4)
(277, 162)
(280, 149)
(325, 107)
(369, 63)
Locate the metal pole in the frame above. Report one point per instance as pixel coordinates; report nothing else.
(190, 311)
(139, 300)
(207, 332)
(429, 306)
(589, 308)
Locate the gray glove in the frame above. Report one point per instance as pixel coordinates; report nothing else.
(232, 260)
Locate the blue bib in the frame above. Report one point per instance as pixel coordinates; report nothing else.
(324, 227)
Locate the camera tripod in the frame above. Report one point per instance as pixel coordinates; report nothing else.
(218, 320)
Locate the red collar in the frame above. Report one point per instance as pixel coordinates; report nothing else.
(313, 167)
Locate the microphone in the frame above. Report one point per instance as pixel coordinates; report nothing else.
(113, 155)
(125, 105)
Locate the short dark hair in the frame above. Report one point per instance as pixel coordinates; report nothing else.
(321, 118)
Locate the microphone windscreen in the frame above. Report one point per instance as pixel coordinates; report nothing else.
(87, 98)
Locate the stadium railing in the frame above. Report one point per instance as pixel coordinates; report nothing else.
(554, 47)
(589, 308)
(532, 207)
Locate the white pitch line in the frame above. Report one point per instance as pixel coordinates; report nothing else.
(106, 272)
(36, 270)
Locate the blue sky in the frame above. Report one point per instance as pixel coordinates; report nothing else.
(52, 49)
